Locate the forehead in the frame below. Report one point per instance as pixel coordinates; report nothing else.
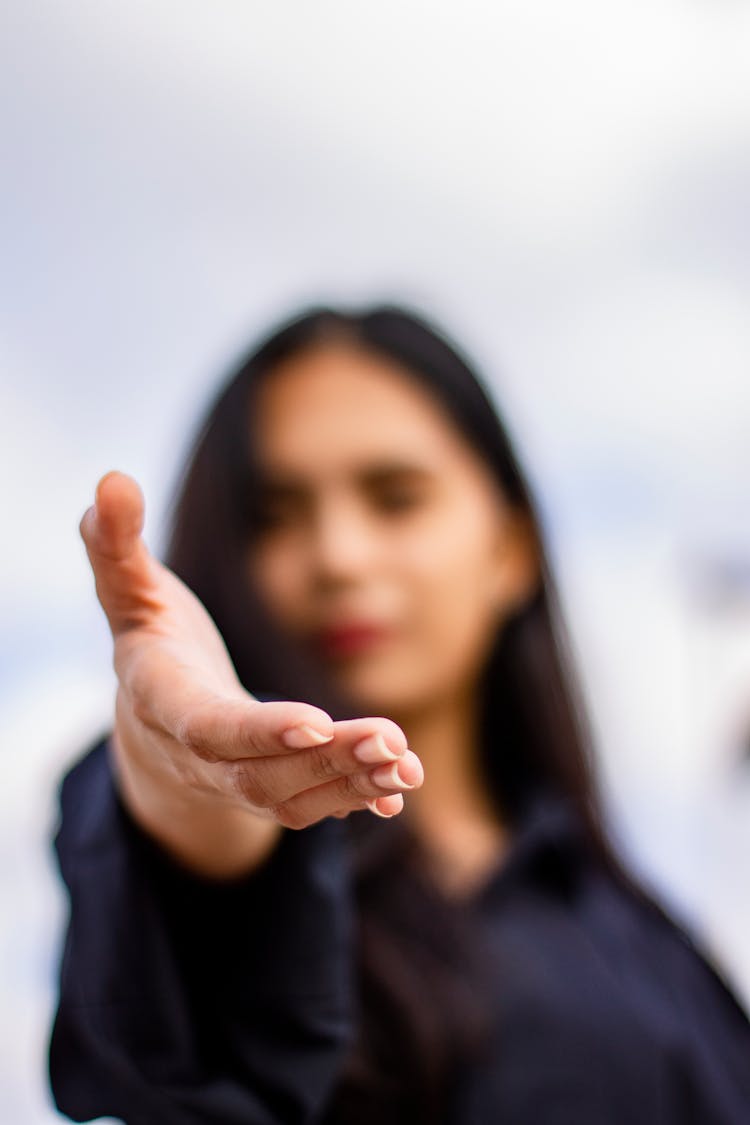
(338, 404)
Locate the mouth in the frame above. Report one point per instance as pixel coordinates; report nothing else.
(355, 638)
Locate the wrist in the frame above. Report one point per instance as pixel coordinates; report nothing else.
(202, 830)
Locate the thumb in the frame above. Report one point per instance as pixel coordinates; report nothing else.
(122, 566)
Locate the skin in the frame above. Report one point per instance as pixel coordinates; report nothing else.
(209, 772)
(377, 511)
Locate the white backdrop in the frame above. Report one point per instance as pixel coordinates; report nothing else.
(565, 186)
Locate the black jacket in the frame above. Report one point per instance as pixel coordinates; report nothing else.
(186, 1002)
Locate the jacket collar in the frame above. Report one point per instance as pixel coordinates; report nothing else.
(548, 848)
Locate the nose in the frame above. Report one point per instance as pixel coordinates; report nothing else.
(343, 545)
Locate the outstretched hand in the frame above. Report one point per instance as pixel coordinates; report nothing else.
(195, 752)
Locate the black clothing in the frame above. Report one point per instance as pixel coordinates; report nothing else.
(185, 1002)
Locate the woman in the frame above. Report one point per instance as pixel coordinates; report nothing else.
(358, 530)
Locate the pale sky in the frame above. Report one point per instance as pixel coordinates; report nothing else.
(565, 186)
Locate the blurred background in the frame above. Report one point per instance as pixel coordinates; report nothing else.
(566, 187)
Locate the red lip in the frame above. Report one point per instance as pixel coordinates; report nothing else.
(338, 641)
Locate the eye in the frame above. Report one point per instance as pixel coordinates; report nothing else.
(396, 499)
(275, 510)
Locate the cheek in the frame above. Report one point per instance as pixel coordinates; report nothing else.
(454, 604)
(449, 622)
(276, 572)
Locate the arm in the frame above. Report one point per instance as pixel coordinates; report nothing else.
(185, 1000)
(204, 967)
(209, 772)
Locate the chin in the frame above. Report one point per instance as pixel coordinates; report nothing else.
(378, 696)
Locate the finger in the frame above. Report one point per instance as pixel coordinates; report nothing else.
(353, 791)
(122, 566)
(112, 527)
(385, 807)
(223, 727)
(351, 731)
(275, 779)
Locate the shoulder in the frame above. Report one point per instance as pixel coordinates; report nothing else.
(600, 997)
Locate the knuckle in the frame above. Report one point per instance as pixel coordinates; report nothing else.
(322, 763)
(290, 817)
(191, 735)
(246, 781)
(350, 789)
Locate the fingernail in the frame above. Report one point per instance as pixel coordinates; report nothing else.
(374, 749)
(373, 807)
(298, 738)
(388, 777)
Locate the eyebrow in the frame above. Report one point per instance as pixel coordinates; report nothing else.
(369, 476)
(393, 470)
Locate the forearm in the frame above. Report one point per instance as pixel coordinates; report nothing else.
(186, 1000)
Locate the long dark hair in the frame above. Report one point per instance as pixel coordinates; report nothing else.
(531, 708)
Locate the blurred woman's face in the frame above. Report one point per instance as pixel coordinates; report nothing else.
(385, 546)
